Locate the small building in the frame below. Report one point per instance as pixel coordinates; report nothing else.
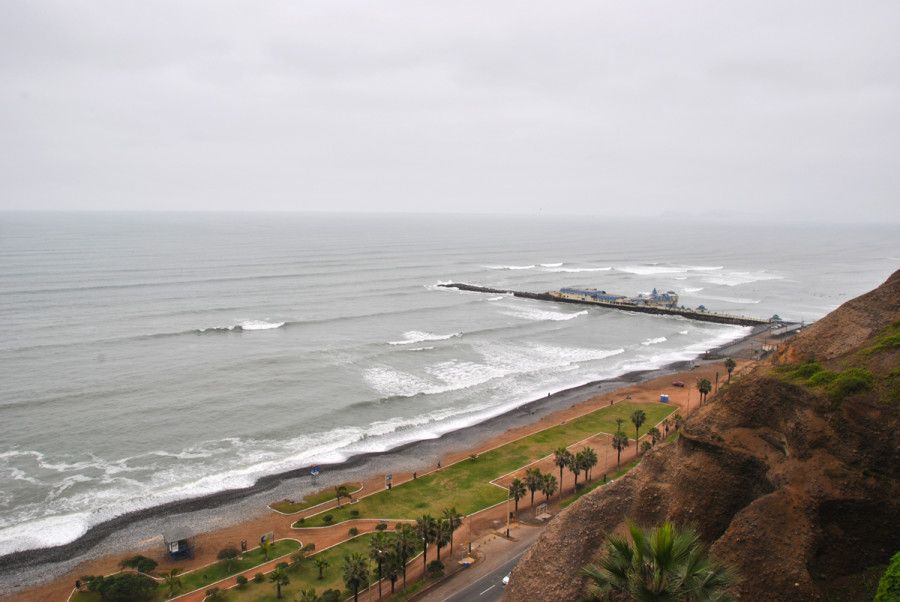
(179, 543)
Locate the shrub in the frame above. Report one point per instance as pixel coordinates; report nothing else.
(354, 512)
(381, 526)
(331, 595)
(213, 592)
(850, 382)
(141, 564)
(301, 520)
(436, 568)
(297, 556)
(822, 378)
(889, 586)
(327, 518)
(807, 369)
(310, 547)
(259, 578)
(281, 566)
(123, 586)
(353, 531)
(241, 581)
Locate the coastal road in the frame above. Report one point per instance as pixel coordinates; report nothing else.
(482, 581)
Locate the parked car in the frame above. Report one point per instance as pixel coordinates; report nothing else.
(506, 579)
(678, 383)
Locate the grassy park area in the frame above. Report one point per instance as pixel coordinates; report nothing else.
(467, 484)
(314, 499)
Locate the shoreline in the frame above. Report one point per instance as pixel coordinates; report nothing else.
(134, 531)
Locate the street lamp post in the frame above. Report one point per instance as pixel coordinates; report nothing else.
(507, 512)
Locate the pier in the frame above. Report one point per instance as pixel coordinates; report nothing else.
(692, 314)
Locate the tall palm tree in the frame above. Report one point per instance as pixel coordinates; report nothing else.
(441, 536)
(730, 365)
(355, 572)
(533, 480)
(667, 423)
(590, 457)
(619, 442)
(549, 486)
(404, 545)
(454, 522)
(561, 459)
(321, 564)
(173, 580)
(341, 491)
(704, 386)
(279, 577)
(575, 466)
(664, 563)
(638, 418)
(517, 491)
(379, 551)
(426, 529)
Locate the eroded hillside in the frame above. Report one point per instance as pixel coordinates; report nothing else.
(792, 473)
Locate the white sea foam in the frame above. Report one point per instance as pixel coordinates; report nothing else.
(655, 341)
(509, 267)
(738, 278)
(739, 300)
(551, 265)
(693, 290)
(416, 336)
(259, 325)
(579, 270)
(531, 313)
(654, 269)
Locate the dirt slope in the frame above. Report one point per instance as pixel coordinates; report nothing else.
(790, 486)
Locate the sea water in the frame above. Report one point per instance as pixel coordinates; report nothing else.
(146, 358)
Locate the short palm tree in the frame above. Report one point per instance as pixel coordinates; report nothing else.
(517, 491)
(533, 480)
(576, 466)
(655, 435)
(309, 595)
(663, 563)
(265, 547)
(590, 459)
(279, 577)
(173, 580)
(619, 442)
(561, 459)
(704, 386)
(321, 564)
(549, 486)
(730, 365)
(341, 491)
(638, 418)
(355, 572)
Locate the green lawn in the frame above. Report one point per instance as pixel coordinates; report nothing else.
(306, 575)
(320, 497)
(466, 485)
(203, 577)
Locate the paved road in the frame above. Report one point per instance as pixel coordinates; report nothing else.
(482, 582)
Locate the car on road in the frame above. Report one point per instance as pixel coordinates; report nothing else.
(678, 383)
(506, 579)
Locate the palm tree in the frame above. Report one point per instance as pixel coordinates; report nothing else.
(637, 419)
(173, 580)
(664, 563)
(619, 442)
(441, 536)
(619, 423)
(454, 522)
(561, 459)
(666, 424)
(549, 486)
(341, 491)
(678, 421)
(355, 573)
(426, 528)
(590, 459)
(730, 365)
(309, 595)
(404, 544)
(265, 547)
(704, 386)
(321, 564)
(655, 435)
(533, 480)
(279, 578)
(646, 445)
(576, 465)
(517, 491)
(379, 552)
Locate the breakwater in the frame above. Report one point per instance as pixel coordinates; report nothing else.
(692, 314)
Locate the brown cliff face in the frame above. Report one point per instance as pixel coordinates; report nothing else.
(792, 488)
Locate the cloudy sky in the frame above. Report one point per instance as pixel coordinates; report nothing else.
(787, 109)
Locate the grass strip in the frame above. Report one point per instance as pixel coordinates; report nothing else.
(314, 499)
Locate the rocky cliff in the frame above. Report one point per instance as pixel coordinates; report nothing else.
(792, 473)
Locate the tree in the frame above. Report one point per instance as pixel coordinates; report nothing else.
(309, 595)
(667, 423)
(342, 491)
(638, 418)
(590, 460)
(321, 564)
(379, 551)
(549, 486)
(172, 580)
(730, 365)
(123, 587)
(678, 421)
(619, 442)
(704, 386)
(646, 446)
(141, 564)
(655, 435)
(265, 547)
(517, 491)
(426, 529)
(355, 572)
(889, 584)
(663, 563)
(404, 544)
(575, 466)
(441, 536)
(228, 555)
(561, 459)
(279, 577)
(454, 522)
(394, 569)
(533, 480)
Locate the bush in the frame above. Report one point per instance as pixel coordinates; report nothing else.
(327, 518)
(381, 526)
(310, 547)
(436, 568)
(331, 595)
(259, 578)
(241, 581)
(141, 564)
(822, 378)
(213, 592)
(300, 520)
(354, 512)
(889, 586)
(123, 587)
(353, 531)
(807, 369)
(850, 382)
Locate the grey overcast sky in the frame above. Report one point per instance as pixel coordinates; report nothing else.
(634, 108)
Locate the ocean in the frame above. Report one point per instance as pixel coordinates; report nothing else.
(147, 358)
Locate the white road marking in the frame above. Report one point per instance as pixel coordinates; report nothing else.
(487, 590)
